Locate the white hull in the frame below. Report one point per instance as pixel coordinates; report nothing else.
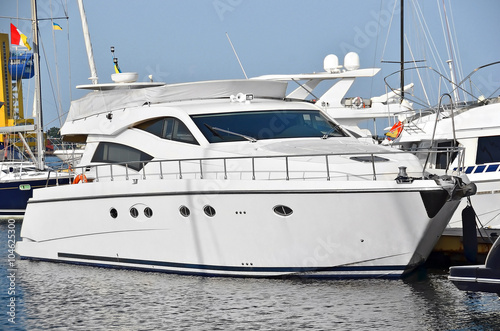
(486, 202)
(337, 229)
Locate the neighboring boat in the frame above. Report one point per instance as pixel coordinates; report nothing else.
(479, 278)
(21, 170)
(230, 178)
(18, 179)
(68, 153)
(474, 125)
(352, 111)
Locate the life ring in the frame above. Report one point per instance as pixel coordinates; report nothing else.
(80, 178)
(358, 103)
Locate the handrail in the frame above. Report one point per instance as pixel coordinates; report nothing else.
(252, 171)
(435, 125)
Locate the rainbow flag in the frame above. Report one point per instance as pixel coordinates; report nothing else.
(18, 38)
(56, 26)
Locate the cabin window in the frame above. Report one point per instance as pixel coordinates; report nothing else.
(488, 150)
(269, 124)
(168, 128)
(445, 157)
(117, 153)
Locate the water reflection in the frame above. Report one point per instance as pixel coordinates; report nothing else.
(62, 296)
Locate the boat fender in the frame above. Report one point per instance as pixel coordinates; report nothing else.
(469, 234)
(80, 178)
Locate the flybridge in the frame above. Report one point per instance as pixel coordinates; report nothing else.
(109, 99)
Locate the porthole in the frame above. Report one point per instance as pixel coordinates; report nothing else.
(148, 212)
(209, 210)
(184, 211)
(283, 210)
(134, 212)
(113, 212)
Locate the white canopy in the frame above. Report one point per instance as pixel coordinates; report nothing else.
(103, 101)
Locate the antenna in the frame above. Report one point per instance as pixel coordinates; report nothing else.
(244, 73)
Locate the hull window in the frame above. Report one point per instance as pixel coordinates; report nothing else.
(283, 210)
(184, 211)
(116, 153)
(209, 211)
(113, 212)
(133, 212)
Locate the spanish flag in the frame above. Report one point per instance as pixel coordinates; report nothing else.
(56, 26)
(395, 131)
(18, 38)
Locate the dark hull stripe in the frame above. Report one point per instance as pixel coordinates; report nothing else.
(135, 195)
(385, 271)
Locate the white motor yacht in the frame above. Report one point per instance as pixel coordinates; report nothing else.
(230, 178)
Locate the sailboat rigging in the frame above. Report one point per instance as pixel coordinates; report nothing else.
(18, 177)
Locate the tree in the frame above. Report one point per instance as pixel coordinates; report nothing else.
(54, 132)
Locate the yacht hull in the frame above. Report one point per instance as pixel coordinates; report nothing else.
(335, 229)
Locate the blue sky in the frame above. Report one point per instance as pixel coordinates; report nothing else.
(181, 41)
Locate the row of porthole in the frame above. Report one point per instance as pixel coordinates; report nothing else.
(208, 210)
(134, 212)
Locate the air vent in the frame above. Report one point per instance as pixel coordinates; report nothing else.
(369, 159)
(283, 210)
(184, 211)
(209, 210)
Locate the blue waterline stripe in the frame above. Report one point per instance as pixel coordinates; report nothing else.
(227, 268)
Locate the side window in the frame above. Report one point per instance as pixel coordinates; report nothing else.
(488, 150)
(168, 128)
(117, 153)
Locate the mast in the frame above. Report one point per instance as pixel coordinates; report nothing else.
(402, 56)
(40, 139)
(88, 45)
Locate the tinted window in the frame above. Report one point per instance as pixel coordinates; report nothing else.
(445, 158)
(266, 125)
(169, 128)
(116, 153)
(488, 150)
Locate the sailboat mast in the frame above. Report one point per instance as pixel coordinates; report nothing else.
(40, 146)
(402, 56)
(88, 45)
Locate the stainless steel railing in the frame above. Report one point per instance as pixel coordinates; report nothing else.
(201, 167)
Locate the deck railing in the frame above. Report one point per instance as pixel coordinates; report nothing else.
(202, 167)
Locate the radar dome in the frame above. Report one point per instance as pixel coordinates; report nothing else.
(351, 61)
(331, 63)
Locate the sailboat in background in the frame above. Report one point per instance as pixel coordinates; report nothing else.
(18, 174)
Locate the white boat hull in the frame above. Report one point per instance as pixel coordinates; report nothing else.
(337, 229)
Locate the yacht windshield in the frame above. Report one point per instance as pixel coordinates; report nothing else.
(269, 124)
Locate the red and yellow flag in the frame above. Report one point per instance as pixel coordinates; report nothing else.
(18, 38)
(395, 131)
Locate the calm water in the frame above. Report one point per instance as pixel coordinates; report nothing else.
(68, 297)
